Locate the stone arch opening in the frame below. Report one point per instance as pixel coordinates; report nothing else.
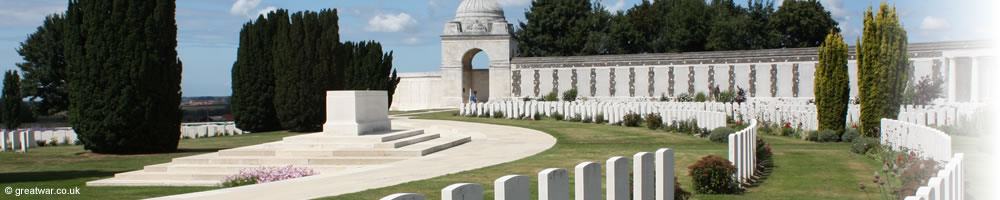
(476, 74)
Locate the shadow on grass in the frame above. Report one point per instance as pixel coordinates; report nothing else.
(52, 175)
(184, 150)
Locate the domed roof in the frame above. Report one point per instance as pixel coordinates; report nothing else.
(479, 9)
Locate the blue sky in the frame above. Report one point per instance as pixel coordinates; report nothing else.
(208, 30)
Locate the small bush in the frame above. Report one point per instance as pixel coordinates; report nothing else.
(654, 121)
(632, 119)
(828, 136)
(54, 141)
(497, 114)
(849, 135)
(587, 120)
(685, 97)
(569, 95)
(680, 193)
(558, 116)
(600, 119)
(916, 175)
(787, 131)
(552, 96)
(41, 143)
(726, 96)
(721, 134)
(713, 175)
(861, 145)
(700, 97)
(576, 118)
(812, 136)
(537, 116)
(763, 151)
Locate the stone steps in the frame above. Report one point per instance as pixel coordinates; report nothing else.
(321, 152)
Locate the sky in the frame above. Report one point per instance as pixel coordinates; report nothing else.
(208, 30)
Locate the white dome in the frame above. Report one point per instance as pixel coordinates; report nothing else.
(479, 9)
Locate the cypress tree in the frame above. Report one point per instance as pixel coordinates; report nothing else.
(123, 75)
(883, 66)
(832, 83)
(253, 78)
(369, 68)
(11, 100)
(304, 60)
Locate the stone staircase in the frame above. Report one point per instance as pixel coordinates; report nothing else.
(319, 151)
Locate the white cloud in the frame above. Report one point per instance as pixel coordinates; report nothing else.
(27, 14)
(411, 41)
(243, 7)
(266, 10)
(514, 3)
(837, 10)
(932, 23)
(390, 23)
(616, 7)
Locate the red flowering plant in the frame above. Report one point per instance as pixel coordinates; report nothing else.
(902, 172)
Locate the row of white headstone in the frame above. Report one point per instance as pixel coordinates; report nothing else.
(22, 139)
(708, 115)
(928, 142)
(743, 152)
(209, 130)
(653, 179)
(947, 184)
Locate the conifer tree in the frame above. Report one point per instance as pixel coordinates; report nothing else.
(832, 83)
(883, 65)
(44, 67)
(253, 78)
(123, 75)
(304, 62)
(11, 100)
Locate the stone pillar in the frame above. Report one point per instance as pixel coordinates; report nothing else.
(974, 93)
(355, 113)
(952, 74)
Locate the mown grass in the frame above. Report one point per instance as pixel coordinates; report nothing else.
(803, 170)
(72, 167)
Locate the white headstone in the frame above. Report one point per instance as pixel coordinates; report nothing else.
(512, 187)
(617, 179)
(553, 184)
(462, 191)
(588, 181)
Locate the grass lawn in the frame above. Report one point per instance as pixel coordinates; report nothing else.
(71, 167)
(803, 170)
(393, 112)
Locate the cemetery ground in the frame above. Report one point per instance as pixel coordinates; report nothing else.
(803, 169)
(71, 166)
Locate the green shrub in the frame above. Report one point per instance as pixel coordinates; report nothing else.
(721, 134)
(558, 116)
(726, 96)
(654, 121)
(763, 151)
(537, 116)
(829, 136)
(576, 118)
(600, 119)
(680, 193)
(787, 131)
(631, 120)
(569, 95)
(587, 120)
(685, 97)
(552, 96)
(713, 175)
(861, 145)
(849, 135)
(812, 136)
(497, 114)
(700, 97)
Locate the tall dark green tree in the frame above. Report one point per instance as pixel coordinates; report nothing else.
(760, 33)
(369, 68)
(123, 75)
(638, 29)
(11, 100)
(44, 67)
(883, 65)
(802, 23)
(554, 28)
(729, 27)
(598, 41)
(832, 83)
(304, 61)
(253, 77)
(685, 28)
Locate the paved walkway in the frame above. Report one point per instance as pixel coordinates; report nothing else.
(491, 145)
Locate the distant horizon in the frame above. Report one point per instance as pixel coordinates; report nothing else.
(208, 31)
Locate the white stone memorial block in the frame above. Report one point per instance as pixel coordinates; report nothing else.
(356, 112)
(587, 181)
(512, 187)
(664, 174)
(404, 196)
(553, 184)
(462, 191)
(642, 176)
(621, 82)
(618, 179)
(603, 82)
